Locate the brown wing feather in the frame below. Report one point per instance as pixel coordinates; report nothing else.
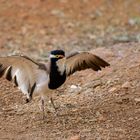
(82, 61)
(24, 72)
(25, 66)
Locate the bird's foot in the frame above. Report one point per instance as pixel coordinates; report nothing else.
(27, 100)
(42, 108)
(54, 107)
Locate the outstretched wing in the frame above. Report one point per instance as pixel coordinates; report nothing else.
(21, 70)
(11, 65)
(82, 61)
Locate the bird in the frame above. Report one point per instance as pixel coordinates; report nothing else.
(42, 78)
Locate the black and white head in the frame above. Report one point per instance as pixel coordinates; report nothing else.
(57, 54)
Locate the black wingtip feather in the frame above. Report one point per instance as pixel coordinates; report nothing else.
(101, 62)
(8, 74)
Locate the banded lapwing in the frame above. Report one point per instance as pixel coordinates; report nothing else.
(32, 77)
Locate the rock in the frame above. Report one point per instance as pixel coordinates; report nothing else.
(100, 116)
(24, 30)
(126, 85)
(77, 137)
(74, 88)
(70, 25)
(113, 89)
(92, 36)
(121, 38)
(58, 13)
(134, 21)
(63, 1)
(130, 119)
(138, 37)
(137, 100)
(123, 101)
(99, 41)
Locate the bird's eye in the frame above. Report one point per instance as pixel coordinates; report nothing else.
(57, 56)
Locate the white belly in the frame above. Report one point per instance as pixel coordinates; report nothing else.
(42, 84)
(24, 82)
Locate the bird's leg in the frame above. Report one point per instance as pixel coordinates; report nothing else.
(42, 107)
(52, 102)
(30, 93)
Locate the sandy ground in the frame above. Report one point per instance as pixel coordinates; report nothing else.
(91, 105)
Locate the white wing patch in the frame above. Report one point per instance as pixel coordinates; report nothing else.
(22, 80)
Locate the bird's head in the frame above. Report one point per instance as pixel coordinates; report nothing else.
(57, 54)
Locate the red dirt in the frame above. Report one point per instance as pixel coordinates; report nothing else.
(105, 105)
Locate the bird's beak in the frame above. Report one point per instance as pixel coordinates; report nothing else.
(56, 56)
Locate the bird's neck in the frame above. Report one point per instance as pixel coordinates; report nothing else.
(53, 67)
(56, 77)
